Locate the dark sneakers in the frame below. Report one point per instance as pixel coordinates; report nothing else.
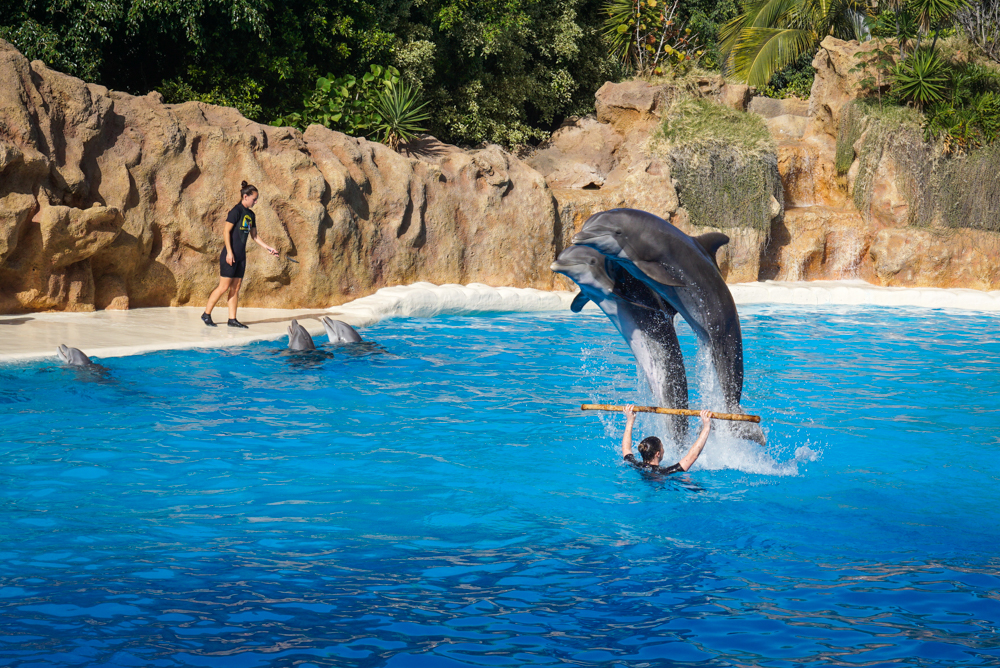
(207, 319)
(233, 322)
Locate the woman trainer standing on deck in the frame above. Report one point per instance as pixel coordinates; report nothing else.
(240, 224)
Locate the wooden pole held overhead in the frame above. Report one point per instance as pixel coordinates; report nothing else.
(671, 411)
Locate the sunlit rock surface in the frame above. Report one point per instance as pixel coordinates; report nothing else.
(109, 200)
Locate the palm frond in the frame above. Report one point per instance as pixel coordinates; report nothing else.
(760, 13)
(763, 51)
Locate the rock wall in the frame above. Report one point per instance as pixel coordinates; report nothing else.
(113, 201)
(816, 232)
(605, 161)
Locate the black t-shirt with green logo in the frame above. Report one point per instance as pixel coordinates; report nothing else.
(243, 220)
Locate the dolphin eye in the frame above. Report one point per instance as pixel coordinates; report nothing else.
(618, 231)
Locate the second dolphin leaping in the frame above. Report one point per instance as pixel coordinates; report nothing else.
(683, 271)
(641, 317)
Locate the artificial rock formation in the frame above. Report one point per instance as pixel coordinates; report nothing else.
(605, 161)
(109, 200)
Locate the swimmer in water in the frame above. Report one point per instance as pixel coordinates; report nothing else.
(651, 448)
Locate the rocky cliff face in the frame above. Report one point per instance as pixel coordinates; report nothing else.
(114, 201)
(606, 161)
(816, 232)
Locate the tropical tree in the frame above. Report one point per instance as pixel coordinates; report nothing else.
(771, 34)
(645, 34)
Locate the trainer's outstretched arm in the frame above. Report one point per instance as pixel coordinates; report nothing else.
(692, 455)
(627, 438)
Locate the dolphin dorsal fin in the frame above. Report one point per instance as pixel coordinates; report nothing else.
(712, 242)
(578, 302)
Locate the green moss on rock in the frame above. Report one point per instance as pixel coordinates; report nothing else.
(724, 161)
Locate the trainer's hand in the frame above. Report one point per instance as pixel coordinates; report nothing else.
(630, 412)
(230, 258)
(272, 251)
(706, 419)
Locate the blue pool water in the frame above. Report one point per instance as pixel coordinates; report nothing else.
(438, 499)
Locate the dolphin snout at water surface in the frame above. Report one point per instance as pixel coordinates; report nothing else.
(340, 332)
(298, 337)
(72, 356)
(683, 272)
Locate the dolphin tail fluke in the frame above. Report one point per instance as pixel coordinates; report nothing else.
(749, 431)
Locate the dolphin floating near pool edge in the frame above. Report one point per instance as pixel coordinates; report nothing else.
(340, 332)
(72, 356)
(640, 316)
(298, 337)
(683, 271)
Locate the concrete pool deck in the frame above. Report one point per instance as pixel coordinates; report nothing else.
(103, 334)
(117, 333)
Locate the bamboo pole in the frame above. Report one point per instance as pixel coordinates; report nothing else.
(671, 411)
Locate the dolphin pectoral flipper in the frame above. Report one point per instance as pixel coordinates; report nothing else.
(658, 273)
(579, 302)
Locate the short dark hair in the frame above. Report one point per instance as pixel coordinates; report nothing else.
(247, 189)
(649, 447)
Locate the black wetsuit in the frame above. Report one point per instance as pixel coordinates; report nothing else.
(643, 466)
(243, 222)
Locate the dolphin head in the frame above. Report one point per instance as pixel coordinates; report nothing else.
(72, 356)
(340, 332)
(605, 232)
(298, 337)
(585, 267)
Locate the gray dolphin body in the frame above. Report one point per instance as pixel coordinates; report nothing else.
(73, 356)
(683, 271)
(340, 332)
(298, 337)
(642, 318)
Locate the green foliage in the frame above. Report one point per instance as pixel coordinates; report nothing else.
(921, 78)
(645, 35)
(242, 93)
(772, 34)
(506, 72)
(705, 18)
(969, 115)
(345, 104)
(400, 114)
(796, 80)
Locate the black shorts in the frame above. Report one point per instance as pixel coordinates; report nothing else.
(235, 270)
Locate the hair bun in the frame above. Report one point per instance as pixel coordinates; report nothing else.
(243, 184)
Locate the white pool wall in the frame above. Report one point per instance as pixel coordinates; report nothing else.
(119, 333)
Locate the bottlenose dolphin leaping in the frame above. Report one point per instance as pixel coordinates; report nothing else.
(640, 316)
(683, 271)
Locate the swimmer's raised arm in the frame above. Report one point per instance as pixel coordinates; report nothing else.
(692, 455)
(627, 438)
